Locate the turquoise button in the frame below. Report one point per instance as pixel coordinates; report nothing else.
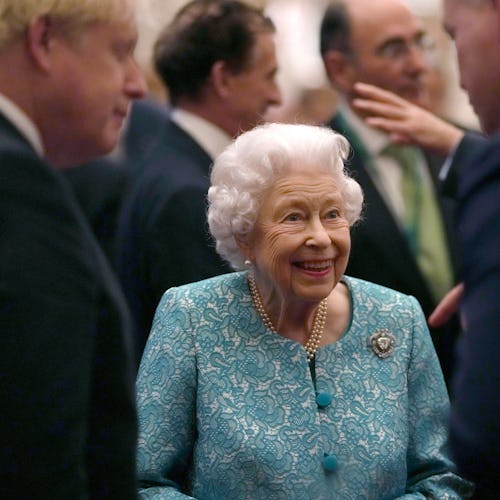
(323, 399)
(330, 462)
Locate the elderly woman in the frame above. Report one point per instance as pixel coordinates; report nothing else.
(289, 380)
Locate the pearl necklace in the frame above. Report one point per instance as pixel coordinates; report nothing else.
(318, 325)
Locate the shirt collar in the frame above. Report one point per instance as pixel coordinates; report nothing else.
(210, 137)
(23, 123)
(374, 140)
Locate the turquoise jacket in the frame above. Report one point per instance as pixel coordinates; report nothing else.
(230, 410)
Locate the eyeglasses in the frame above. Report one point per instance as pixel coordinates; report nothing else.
(398, 49)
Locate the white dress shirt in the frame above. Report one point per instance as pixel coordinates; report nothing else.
(22, 122)
(210, 137)
(385, 172)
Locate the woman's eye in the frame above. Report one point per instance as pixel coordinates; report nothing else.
(332, 214)
(292, 217)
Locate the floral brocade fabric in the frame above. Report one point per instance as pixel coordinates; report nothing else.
(229, 410)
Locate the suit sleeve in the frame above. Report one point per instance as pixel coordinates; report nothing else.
(475, 423)
(166, 399)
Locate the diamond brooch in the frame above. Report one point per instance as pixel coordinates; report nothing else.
(382, 343)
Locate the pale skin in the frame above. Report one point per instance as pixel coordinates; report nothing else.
(405, 122)
(301, 224)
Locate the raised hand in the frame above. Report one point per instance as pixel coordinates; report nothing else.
(406, 123)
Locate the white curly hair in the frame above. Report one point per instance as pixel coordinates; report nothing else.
(249, 166)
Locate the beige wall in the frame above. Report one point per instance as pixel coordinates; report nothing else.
(306, 93)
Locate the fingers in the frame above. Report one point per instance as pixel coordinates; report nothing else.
(447, 307)
(378, 108)
(368, 91)
(394, 127)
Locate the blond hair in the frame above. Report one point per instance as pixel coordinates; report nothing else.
(15, 15)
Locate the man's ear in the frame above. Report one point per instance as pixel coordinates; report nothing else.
(340, 70)
(39, 39)
(221, 77)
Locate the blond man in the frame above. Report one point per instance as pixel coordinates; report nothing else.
(67, 76)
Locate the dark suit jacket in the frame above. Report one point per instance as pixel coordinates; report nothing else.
(380, 252)
(100, 185)
(471, 143)
(163, 237)
(67, 416)
(475, 423)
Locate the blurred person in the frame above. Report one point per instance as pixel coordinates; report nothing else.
(404, 121)
(408, 123)
(217, 59)
(407, 240)
(68, 421)
(101, 185)
(472, 175)
(289, 379)
(475, 428)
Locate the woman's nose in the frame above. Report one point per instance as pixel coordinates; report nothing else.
(318, 235)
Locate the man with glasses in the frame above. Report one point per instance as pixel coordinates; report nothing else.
(405, 240)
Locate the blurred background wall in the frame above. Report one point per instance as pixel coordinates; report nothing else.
(307, 96)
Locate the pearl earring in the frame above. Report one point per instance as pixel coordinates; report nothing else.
(248, 262)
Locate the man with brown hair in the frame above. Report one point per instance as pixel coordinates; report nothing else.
(217, 59)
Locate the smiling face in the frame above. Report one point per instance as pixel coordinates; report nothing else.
(300, 243)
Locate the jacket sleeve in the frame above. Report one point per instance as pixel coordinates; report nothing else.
(166, 398)
(430, 470)
(475, 423)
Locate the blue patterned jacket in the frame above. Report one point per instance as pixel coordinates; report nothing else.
(230, 410)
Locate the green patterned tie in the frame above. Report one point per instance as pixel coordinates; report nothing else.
(422, 221)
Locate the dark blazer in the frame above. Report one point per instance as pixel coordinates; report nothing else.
(475, 422)
(100, 185)
(67, 419)
(380, 252)
(461, 158)
(163, 237)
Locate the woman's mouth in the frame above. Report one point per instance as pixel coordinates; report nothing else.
(316, 266)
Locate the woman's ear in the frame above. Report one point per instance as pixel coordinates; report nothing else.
(244, 245)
